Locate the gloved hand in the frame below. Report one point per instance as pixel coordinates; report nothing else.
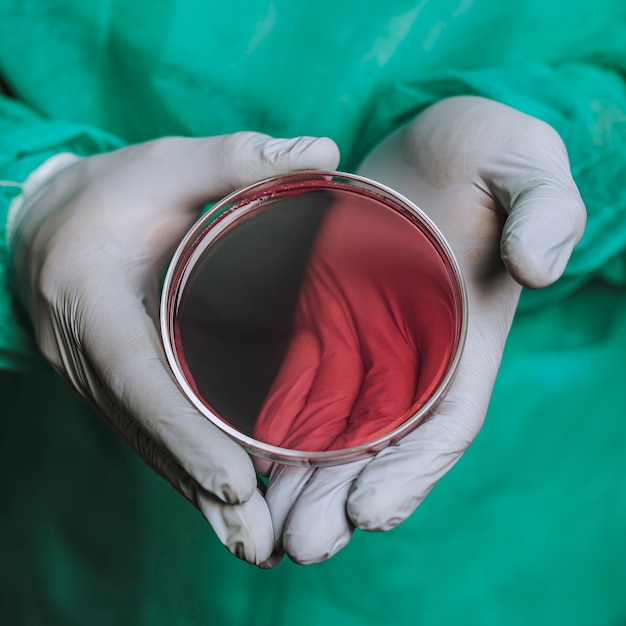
(90, 239)
(497, 183)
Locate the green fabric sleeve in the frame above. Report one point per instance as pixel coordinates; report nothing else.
(586, 103)
(26, 141)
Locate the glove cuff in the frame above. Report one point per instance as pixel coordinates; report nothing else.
(31, 185)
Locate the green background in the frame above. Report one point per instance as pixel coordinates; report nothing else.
(528, 528)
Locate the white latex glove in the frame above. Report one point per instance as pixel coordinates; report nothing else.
(498, 184)
(90, 239)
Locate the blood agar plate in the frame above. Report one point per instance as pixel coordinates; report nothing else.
(314, 317)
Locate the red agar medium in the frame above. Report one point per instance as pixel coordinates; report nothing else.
(321, 320)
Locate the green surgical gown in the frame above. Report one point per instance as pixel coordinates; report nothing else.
(530, 526)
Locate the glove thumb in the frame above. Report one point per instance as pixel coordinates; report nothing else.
(546, 213)
(216, 166)
(545, 224)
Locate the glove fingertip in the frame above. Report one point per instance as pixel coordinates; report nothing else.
(375, 510)
(232, 489)
(224, 470)
(272, 562)
(245, 529)
(533, 264)
(545, 225)
(255, 555)
(308, 549)
(302, 153)
(322, 153)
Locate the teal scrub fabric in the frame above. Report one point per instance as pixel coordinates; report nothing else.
(529, 526)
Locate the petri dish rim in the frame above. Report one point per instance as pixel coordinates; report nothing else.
(241, 203)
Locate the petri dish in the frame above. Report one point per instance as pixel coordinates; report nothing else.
(314, 317)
